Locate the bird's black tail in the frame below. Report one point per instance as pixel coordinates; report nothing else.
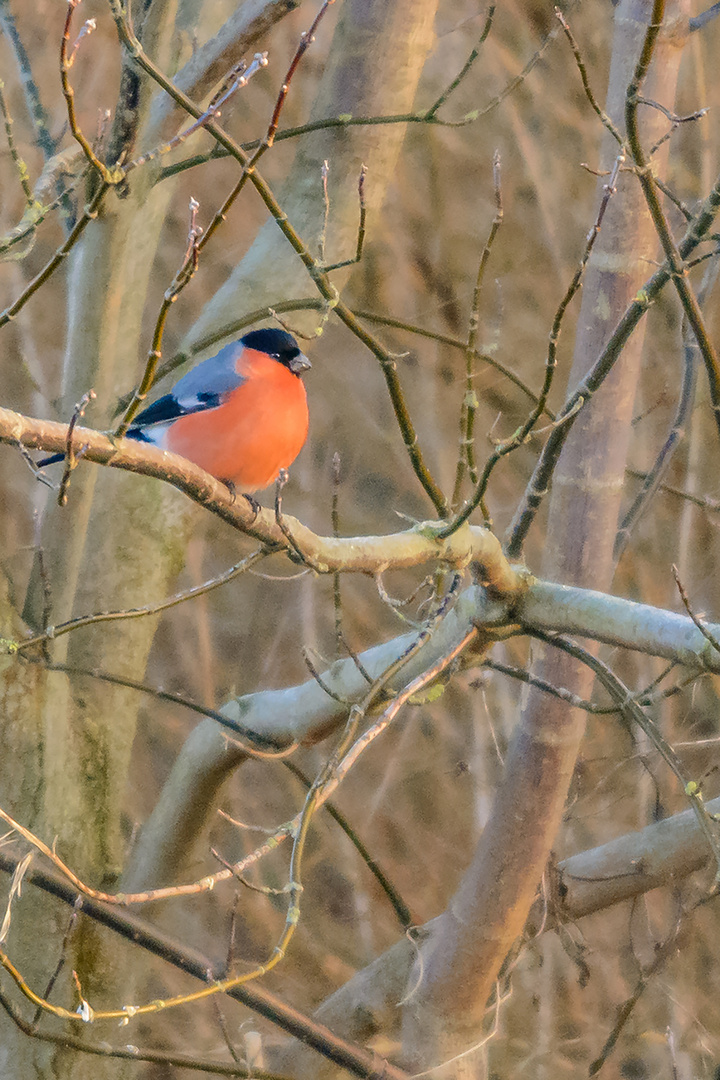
(132, 433)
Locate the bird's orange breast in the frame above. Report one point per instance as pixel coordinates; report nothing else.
(258, 430)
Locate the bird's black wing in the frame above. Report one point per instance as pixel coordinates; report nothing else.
(205, 387)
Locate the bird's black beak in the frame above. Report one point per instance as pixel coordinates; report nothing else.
(299, 363)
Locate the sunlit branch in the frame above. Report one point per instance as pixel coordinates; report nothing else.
(346, 757)
(130, 1053)
(365, 554)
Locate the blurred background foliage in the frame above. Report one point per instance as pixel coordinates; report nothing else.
(422, 793)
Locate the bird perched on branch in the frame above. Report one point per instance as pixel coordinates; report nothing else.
(242, 415)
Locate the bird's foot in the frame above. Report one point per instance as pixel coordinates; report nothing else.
(254, 504)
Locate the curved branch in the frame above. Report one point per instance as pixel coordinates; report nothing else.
(364, 554)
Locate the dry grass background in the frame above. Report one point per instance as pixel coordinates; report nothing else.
(420, 798)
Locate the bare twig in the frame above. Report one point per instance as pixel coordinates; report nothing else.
(538, 486)
(181, 279)
(658, 471)
(73, 456)
(673, 256)
(430, 114)
(89, 214)
(109, 176)
(293, 546)
(634, 714)
(603, 116)
(695, 618)
(466, 452)
(519, 437)
(52, 632)
(238, 78)
(361, 227)
(20, 166)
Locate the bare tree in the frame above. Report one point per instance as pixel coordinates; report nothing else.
(468, 866)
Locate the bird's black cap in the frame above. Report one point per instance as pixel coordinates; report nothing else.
(281, 345)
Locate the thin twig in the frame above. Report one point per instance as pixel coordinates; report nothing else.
(634, 714)
(52, 632)
(236, 80)
(678, 271)
(540, 480)
(335, 524)
(326, 209)
(360, 1062)
(361, 227)
(660, 466)
(695, 618)
(72, 456)
(466, 451)
(89, 214)
(181, 279)
(520, 436)
(603, 116)
(20, 165)
(302, 556)
(429, 115)
(110, 176)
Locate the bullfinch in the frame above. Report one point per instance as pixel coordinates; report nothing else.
(242, 415)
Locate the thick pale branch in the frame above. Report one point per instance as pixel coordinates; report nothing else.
(625, 868)
(624, 623)
(365, 554)
(591, 881)
(306, 713)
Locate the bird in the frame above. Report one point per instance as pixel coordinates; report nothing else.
(241, 415)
